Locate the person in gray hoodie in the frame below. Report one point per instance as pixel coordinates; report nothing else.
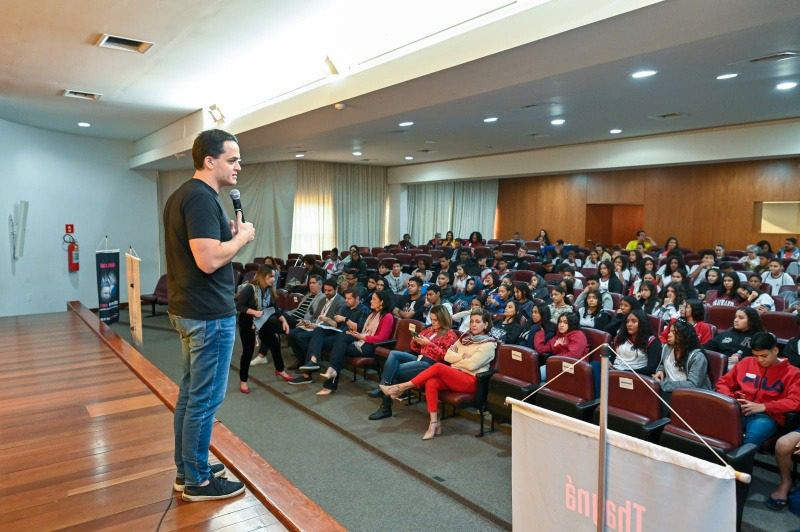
(683, 364)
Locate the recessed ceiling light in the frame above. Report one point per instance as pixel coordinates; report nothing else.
(615, 131)
(406, 124)
(490, 119)
(408, 158)
(84, 124)
(558, 122)
(357, 154)
(786, 85)
(730, 75)
(299, 155)
(644, 74)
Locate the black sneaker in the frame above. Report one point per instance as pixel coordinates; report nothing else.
(309, 366)
(380, 413)
(217, 470)
(217, 488)
(300, 380)
(376, 392)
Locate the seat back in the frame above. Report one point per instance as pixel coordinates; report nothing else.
(576, 382)
(722, 317)
(656, 324)
(160, 291)
(404, 258)
(518, 362)
(717, 365)
(628, 393)
(371, 262)
(595, 337)
(424, 256)
(403, 330)
(713, 415)
(553, 278)
(295, 273)
(616, 298)
(293, 300)
(436, 253)
(523, 276)
(482, 251)
(781, 324)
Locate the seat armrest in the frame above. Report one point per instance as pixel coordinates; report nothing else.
(482, 387)
(740, 455)
(389, 344)
(658, 424)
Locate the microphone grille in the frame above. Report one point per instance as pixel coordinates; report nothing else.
(235, 194)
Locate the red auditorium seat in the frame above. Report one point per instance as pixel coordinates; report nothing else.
(516, 375)
(632, 407)
(722, 317)
(572, 394)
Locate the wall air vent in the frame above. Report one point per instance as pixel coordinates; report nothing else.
(82, 95)
(778, 56)
(124, 43)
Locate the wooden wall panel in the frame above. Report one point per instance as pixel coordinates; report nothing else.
(700, 204)
(598, 224)
(616, 188)
(626, 220)
(555, 203)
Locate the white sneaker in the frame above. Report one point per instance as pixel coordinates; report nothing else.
(259, 360)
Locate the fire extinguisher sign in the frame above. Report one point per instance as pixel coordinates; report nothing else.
(108, 285)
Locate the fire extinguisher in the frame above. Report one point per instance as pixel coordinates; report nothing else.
(73, 259)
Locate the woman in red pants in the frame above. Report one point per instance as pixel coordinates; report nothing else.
(470, 355)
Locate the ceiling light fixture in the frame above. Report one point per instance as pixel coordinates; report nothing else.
(490, 119)
(357, 154)
(615, 131)
(730, 75)
(406, 124)
(408, 158)
(299, 155)
(786, 85)
(216, 114)
(644, 74)
(558, 122)
(84, 124)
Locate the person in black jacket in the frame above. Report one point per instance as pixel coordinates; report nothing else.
(509, 323)
(626, 306)
(541, 324)
(257, 306)
(607, 279)
(735, 342)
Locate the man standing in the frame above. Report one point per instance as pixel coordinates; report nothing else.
(200, 243)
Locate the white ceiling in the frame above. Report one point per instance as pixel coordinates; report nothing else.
(581, 74)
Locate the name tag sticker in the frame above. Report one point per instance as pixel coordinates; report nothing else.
(516, 355)
(626, 383)
(566, 367)
(412, 327)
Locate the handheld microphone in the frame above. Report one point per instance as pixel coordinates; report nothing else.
(237, 204)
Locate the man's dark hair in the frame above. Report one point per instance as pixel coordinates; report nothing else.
(763, 340)
(329, 282)
(593, 277)
(434, 288)
(209, 143)
(416, 280)
(353, 292)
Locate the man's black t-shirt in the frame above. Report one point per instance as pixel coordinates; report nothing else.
(194, 211)
(405, 303)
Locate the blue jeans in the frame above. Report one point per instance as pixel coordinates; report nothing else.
(401, 367)
(758, 428)
(207, 347)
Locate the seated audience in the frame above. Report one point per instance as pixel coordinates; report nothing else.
(648, 297)
(669, 246)
(462, 317)
(674, 296)
(449, 242)
(719, 253)
(475, 240)
(397, 279)
(697, 273)
(320, 313)
(591, 312)
(642, 239)
(693, 312)
(539, 288)
(766, 388)
(460, 279)
(427, 348)
(542, 238)
(757, 299)
(683, 364)
(522, 295)
(593, 283)
(433, 297)
(357, 263)
(559, 305)
(735, 342)
(729, 296)
(792, 349)
(609, 282)
(422, 271)
(445, 289)
(712, 281)
(436, 241)
(789, 251)
(521, 261)
(411, 305)
(470, 355)
(309, 303)
(775, 277)
(750, 259)
(378, 327)
(540, 324)
(568, 341)
(673, 263)
(333, 266)
(405, 244)
(618, 319)
(509, 323)
(462, 300)
(636, 347)
(496, 302)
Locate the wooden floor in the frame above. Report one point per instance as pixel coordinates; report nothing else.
(85, 445)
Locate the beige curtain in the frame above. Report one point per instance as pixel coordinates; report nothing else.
(460, 206)
(359, 200)
(313, 229)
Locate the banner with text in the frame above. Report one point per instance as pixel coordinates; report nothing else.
(108, 285)
(554, 480)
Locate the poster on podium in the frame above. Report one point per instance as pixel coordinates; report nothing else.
(107, 262)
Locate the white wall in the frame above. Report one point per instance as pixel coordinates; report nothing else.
(71, 179)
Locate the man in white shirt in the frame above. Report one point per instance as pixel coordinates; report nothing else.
(775, 277)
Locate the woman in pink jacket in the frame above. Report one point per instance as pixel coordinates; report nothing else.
(569, 341)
